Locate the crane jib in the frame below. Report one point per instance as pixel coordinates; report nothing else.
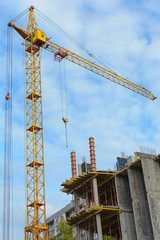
(112, 76)
(91, 66)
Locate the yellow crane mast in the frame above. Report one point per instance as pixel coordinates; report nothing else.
(36, 210)
(35, 39)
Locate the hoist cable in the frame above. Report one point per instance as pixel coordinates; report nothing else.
(4, 181)
(5, 145)
(65, 85)
(66, 134)
(80, 45)
(60, 80)
(61, 90)
(8, 141)
(8, 180)
(20, 15)
(88, 51)
(8, 159)
(11, 136)
(66, 106)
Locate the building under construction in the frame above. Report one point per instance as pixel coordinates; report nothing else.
(121, 204)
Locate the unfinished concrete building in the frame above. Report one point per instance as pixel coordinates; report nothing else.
(55, 218)
(122, 205)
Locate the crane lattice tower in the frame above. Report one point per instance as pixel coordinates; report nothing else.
(36, 210)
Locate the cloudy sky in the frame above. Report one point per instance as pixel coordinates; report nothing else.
(126, 35)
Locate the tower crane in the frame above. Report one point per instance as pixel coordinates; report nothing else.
(35, 39)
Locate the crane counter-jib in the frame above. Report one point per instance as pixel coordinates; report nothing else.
(89, 65)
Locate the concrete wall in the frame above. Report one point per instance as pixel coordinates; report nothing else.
(151, 172)
(124, 202)
(140, 204)
(54, 219)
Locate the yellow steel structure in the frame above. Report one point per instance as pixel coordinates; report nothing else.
(36, 214)
(62, 52)
(36, 227)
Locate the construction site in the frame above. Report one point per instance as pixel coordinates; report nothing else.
(119, 204)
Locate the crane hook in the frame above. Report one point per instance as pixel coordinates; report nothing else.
(7, 96)
(65, 120)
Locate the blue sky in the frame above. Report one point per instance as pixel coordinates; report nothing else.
(126, 34)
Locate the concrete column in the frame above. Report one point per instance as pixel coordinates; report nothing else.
(127, 223)
(98, 216)
(76, 202)
(95, 190)
(140, 205)
(151, 172)
(79, 169)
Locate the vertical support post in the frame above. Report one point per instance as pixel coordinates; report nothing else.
(73, 164)
(92, 153)
(74, 174)
(92, 195)
(119, 230)
(87, 199)
(111, 196)
(76, 211)
(98, 216)
(90, 233)
(79, 169)
(95, 186)
(106, 197)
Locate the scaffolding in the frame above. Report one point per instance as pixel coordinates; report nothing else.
(85, 207)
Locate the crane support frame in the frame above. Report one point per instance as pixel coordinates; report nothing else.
(36, 227)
